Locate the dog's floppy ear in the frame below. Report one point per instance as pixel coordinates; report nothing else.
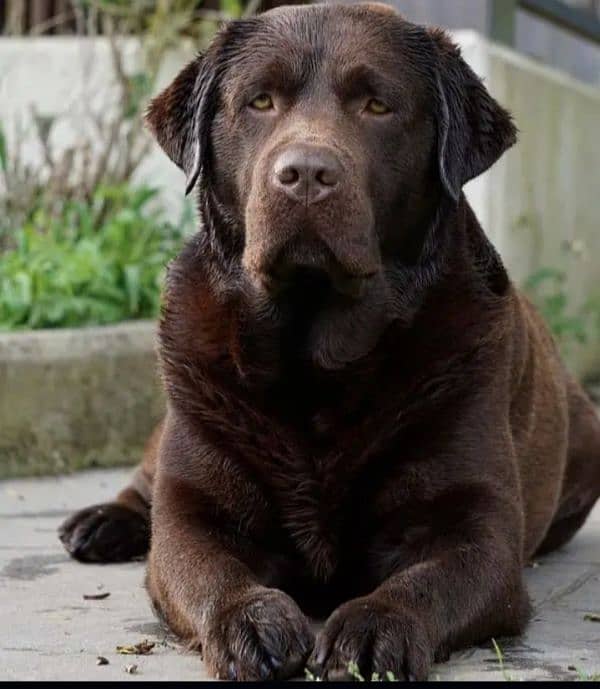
(473, 129)
(181, 115)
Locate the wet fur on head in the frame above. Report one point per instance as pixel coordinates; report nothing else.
(473, 129)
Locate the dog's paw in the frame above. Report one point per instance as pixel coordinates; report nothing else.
(263, 636)
(367, 636)
(106, 533)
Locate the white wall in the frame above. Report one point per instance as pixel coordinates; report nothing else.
(540, 204)
(71, 78)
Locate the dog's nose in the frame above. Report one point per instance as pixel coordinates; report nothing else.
(306, 174)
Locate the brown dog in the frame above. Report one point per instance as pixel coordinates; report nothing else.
(364, 414)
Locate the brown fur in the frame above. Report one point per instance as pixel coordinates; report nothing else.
(366, 419)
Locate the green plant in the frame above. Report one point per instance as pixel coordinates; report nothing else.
(89, 262)
(78, 244)
(586, 677)
(355, 674)
(547, 289)
(111, 141)
(500, 657)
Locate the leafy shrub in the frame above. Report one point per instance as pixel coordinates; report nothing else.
(91, 262)
(547, 288)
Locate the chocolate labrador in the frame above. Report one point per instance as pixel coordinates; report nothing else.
(366, 419)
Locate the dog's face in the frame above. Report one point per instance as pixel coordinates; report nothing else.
(324, 136)
(329, 134)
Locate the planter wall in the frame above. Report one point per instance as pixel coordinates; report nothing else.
(72, 399)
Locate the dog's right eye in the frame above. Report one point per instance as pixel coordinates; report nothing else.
(262, 102)
(377, 107)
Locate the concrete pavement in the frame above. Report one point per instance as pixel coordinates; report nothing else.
(49, 631)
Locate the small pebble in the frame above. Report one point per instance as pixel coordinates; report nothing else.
(131, 669)
(101, 660)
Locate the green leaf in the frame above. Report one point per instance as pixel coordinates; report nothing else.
(3, 151)
(544, 275)
(139, 86)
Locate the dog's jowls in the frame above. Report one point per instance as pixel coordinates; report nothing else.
(365, 418)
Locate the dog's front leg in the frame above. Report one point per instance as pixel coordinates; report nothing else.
(465, 585)
(209, 579)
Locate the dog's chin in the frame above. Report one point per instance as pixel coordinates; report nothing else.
(313, 268)
(308, 280)
(302, 254)
(350, 285)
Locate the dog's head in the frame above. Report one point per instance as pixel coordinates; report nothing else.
(330, 134)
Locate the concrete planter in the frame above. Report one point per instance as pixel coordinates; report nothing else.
(77, 398)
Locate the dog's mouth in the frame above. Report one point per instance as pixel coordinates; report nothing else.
(316, 278)
(314, 269)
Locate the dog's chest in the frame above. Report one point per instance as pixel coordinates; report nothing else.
(312, 445)
(320, 488)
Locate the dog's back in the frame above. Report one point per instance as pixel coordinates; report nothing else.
(557, 436)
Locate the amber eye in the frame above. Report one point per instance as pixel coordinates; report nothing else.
(262, 102)
(376, 107)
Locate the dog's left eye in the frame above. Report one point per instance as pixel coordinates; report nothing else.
(262, 102)
(376, 107)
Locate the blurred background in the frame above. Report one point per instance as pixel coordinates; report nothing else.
(91, 210)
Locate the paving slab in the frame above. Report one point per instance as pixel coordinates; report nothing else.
(49, 632)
